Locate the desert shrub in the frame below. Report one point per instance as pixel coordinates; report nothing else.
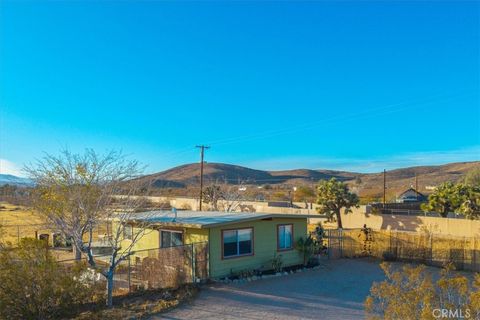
(410, 293)
(277, 263)
(33, 285)
(307, 247)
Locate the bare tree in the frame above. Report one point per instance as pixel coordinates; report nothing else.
(232, 197)
(77, 193)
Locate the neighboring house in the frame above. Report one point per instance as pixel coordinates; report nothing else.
(236, 241)
(411, 195)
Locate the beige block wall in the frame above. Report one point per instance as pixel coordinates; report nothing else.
(246, 206)
(359, 217)
(437, 225)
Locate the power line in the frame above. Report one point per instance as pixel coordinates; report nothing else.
(370, 113)
(384, 187)
(202, 152)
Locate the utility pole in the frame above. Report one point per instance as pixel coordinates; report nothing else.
(416, 186)
(384, 188)
(202, 152)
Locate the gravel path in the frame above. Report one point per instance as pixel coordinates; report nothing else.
(335, 291)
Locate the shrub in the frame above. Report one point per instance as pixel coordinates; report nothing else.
(277, 263)
(35, 286)
(410, 293)
(308, 247)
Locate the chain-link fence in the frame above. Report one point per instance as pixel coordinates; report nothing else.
(156, 268)
(14, 233)
(427, 248)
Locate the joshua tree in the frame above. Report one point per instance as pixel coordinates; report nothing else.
(212, 194)
(445, 199)
(332, 196)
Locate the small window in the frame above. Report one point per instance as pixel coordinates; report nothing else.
(237, 242)
(170, 238)
(285, 237)
(127, 232)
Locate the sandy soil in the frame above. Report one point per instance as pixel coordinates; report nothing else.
(335, 291)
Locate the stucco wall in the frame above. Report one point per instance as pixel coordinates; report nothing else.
(265, 246)
(246, 206)
(437, 225)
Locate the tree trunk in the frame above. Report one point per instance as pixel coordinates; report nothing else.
(77, 252)
(109, 289)
(339, 219)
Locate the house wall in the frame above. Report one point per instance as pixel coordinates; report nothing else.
(151, 240)
(265, 246)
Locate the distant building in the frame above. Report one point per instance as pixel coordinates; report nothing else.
(411, 196)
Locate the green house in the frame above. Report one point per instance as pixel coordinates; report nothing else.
(236, 241)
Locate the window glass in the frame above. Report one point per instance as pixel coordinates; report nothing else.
(285, 236)
(171, 239)
(166, 239)
(245, 241)
(128, 232)
(237, 242)
(177, 239)
(229, 243)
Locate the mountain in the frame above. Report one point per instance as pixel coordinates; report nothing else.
(367, 184)
(189, 174)
(14, 180)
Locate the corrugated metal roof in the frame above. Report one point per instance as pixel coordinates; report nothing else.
(207, 219)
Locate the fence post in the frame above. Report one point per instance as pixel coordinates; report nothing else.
(329, 239)
(474, 255)
(431, 248)
(193, 263)
(341, 243)
(129, 272)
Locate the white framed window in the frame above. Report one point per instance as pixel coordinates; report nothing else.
(237, 242)
(170, 238)
(127, 232)
(285, 236)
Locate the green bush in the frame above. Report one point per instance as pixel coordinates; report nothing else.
(33, 285)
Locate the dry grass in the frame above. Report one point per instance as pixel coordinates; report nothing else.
(19, 222)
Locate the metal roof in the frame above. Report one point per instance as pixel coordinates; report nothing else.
(208, 219)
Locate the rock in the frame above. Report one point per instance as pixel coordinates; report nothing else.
(278, 274)
(285, 273)
(254, 278)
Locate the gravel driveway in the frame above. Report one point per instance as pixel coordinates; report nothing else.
(335, 291)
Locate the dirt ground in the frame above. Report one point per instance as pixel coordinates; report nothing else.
(335, 291)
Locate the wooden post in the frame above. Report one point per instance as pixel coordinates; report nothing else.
(129, 272)
(193, 263)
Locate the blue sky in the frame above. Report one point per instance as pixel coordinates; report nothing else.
(341, 85)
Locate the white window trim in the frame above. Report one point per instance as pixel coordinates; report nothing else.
(171, 231)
